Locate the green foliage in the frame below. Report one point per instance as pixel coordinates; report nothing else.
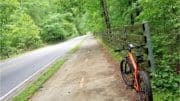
(57, 27)
(118, 12)
(53, 33)
(165, 79)
(165, 96)
(19, 31)
(163, 17)
(26, 24)
(24, 33)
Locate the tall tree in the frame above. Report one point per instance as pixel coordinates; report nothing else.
(106, 15)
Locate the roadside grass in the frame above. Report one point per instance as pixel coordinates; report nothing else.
(32, 88)
(73, 50)
(116, 56)
(28, 92)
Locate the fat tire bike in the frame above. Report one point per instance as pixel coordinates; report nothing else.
(133, 76)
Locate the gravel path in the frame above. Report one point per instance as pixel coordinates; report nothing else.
(87, 76)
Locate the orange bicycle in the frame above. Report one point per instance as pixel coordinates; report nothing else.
(133, 77)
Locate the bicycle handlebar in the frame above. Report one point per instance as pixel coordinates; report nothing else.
(130, 47)
(118, 50)
(140, 46)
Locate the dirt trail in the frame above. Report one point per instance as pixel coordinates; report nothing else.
(87, 76)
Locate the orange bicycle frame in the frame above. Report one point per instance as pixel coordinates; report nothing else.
(136, 71)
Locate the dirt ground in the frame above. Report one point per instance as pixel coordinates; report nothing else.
(88, 75)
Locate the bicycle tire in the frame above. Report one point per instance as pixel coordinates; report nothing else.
(145, 93)
(126, 74)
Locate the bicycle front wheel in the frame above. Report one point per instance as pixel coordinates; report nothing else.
(145, 93)
(126, 72)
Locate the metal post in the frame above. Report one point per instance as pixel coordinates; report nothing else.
(149, 44)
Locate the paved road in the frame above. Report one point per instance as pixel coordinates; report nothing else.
(14, 72)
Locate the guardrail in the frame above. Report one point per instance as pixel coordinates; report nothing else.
(137, 34)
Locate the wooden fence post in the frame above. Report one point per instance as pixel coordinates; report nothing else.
(146, 32)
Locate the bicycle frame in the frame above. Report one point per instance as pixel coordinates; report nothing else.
(136, 70)
(133, 76)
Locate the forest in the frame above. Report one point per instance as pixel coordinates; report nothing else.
(30, 24)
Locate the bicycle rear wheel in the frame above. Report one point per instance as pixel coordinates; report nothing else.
(126, 72)
(145, 93)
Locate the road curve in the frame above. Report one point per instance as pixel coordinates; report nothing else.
(15, 71)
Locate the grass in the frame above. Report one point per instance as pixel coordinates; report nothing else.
(116, 56)
(27, 93)
(32, 88)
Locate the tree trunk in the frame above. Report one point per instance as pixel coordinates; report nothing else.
(106, 15)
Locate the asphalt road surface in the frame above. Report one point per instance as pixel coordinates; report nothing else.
(16, 71)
